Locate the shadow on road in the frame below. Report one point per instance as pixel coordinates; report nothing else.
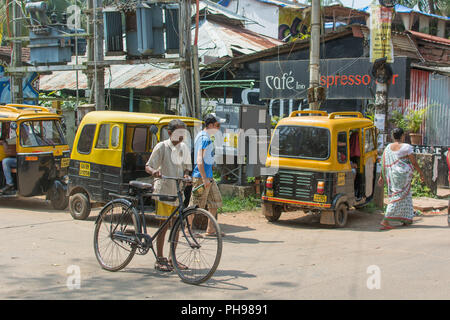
(36, 204)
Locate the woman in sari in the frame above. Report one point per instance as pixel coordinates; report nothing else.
(398, 164)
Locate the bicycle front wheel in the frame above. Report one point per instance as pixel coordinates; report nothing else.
(196, 254)
(115, 235)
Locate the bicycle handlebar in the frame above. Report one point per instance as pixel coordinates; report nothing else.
(177, 178)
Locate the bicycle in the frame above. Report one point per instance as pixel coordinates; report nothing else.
(121, 232)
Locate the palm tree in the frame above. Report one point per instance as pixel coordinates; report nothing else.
(440, 7)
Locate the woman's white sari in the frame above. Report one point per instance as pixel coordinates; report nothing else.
(397, 171)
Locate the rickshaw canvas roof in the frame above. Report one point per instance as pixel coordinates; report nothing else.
(133, 117)
(323, 121)
(24, 112)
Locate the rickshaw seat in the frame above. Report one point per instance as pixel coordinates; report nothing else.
(141, 185)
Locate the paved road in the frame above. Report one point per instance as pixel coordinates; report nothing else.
(295, 258)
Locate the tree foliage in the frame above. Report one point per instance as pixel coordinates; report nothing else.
(439, 7)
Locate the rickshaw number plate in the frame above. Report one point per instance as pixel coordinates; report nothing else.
(341, 179)
(320, 198)
(65, 162)
(85, 169)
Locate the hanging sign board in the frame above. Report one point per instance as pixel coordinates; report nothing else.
(348, 78)
(380, 34)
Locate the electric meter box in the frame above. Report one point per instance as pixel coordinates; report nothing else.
(246, 133)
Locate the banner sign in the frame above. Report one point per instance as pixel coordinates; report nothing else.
(29, 85)
(380, 34)
(348, 78)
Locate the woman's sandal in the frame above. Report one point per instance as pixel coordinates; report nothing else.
(386, 227)
(162, 264)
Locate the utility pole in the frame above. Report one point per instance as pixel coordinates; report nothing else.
(382, 72)
(16, 59)
(95, 75)
(98, 56)
(314, 56)
(186, 94)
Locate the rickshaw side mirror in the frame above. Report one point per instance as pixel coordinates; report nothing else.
(153, 129)
(13, 125)
(63, 126)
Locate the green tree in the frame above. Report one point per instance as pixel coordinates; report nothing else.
(439, 7)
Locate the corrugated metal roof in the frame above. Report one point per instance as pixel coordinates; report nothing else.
(402, 9)
(220, 40)
(138, 76)
(5, 54)
(428, 37)
(216, 40)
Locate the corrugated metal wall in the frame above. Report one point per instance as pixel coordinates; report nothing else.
(437, 127)
(419, 92)
(432, 91)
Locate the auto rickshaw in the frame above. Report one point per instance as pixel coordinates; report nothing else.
(321, 163)
(33, 136)
(111, 148)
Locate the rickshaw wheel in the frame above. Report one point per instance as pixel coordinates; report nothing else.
(59, 201)
(271, 212)
(340, 215)
(80, 207)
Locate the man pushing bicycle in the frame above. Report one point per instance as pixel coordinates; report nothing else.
(170, 157)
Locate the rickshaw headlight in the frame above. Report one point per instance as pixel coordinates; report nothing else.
(269, 182)
(320, 187)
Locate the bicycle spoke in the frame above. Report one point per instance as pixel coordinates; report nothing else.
(200, 254)
(112, 253)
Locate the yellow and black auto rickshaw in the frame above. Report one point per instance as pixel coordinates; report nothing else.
(320, 162)
(111, 148)
(31, 137)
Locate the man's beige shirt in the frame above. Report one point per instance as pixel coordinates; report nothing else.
(172, 161)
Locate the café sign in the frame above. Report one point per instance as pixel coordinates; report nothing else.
(343, 79)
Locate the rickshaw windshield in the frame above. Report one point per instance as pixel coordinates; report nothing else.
(37, 133)
(301, 142)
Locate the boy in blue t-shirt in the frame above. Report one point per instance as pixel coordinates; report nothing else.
(209, 194)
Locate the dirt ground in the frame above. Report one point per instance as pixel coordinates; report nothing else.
(293, 258)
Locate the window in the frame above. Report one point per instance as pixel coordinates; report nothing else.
(164, 135)
(41, 133)
(140, 139)
(86, 139)
(301, 142)
(115, 136)
(369, 143)
(103, 137)
(342, 147)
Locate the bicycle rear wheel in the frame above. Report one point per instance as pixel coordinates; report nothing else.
(115, 235)
(195, 255)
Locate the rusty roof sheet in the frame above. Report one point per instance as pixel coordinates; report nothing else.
(5, 54)
(430, 38)
(138, 76)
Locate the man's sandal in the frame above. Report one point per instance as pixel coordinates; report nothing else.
(162, 264)
(180, 265)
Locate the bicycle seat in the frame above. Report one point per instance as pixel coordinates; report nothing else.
(141, 185)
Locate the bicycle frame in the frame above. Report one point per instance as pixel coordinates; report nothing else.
(142, 233)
